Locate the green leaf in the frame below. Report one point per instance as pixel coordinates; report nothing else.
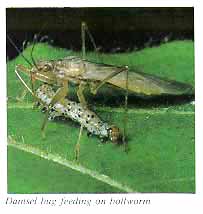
(160, 136)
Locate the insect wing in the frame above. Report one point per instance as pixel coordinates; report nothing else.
(147, 84)
(138, 82)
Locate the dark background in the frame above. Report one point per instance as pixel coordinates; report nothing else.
(114, 29)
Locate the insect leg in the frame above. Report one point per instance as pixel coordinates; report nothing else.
(80, 93)
(94, 88)
(126, 115)
(22, 95)
(28, 89)
(21, 68)
(84, 29)
(60, 94)
(77, 146)
(83, 39)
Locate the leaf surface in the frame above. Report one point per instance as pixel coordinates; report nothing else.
(160, 135)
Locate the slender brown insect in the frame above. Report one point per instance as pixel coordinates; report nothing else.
(87, 74)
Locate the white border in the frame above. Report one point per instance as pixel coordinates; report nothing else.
(167, 203)
(3, 110)
(97, 3)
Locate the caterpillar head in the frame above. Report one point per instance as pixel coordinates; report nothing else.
(115, 135)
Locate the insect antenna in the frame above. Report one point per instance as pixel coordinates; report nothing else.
(34, 43)
(21, 54)
(18, 50)
(31, 54)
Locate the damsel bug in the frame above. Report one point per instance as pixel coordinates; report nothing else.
(84, 73)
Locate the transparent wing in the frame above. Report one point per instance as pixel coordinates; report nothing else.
(138, 82)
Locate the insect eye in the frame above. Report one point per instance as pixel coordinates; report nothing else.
(47, 67)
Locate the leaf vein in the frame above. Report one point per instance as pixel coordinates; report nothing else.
(117, 110)
(69, 164)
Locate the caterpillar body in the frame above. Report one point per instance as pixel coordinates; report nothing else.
(76, 112)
